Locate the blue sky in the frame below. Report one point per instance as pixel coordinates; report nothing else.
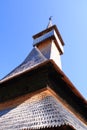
(21, 19)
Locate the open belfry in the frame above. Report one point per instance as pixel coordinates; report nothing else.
(37, 94)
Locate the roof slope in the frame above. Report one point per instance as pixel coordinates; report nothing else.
(34, 58)
(40, 111)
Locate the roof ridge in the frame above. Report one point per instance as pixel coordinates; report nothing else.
(40, 53)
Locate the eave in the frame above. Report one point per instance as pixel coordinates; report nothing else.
(50, 69)
(59, 71)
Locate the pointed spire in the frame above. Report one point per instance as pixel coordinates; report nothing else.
(50, 22)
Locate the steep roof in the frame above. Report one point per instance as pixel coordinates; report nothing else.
(34, 58)
(40, 111)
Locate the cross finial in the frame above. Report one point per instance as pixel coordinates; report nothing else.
(50, 18)
(50, 22)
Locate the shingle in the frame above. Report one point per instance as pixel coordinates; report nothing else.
(39, 112)
(34, 58)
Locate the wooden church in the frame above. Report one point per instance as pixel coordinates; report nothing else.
(37, 94)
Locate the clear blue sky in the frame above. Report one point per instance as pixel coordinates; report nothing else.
(20, 19)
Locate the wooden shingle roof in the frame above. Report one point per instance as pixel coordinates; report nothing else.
(34, 58)
(40, 111)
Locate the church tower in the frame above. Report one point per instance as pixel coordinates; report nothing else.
(50, 43)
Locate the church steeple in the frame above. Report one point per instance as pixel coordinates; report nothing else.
(47, 44)
(50, 43)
